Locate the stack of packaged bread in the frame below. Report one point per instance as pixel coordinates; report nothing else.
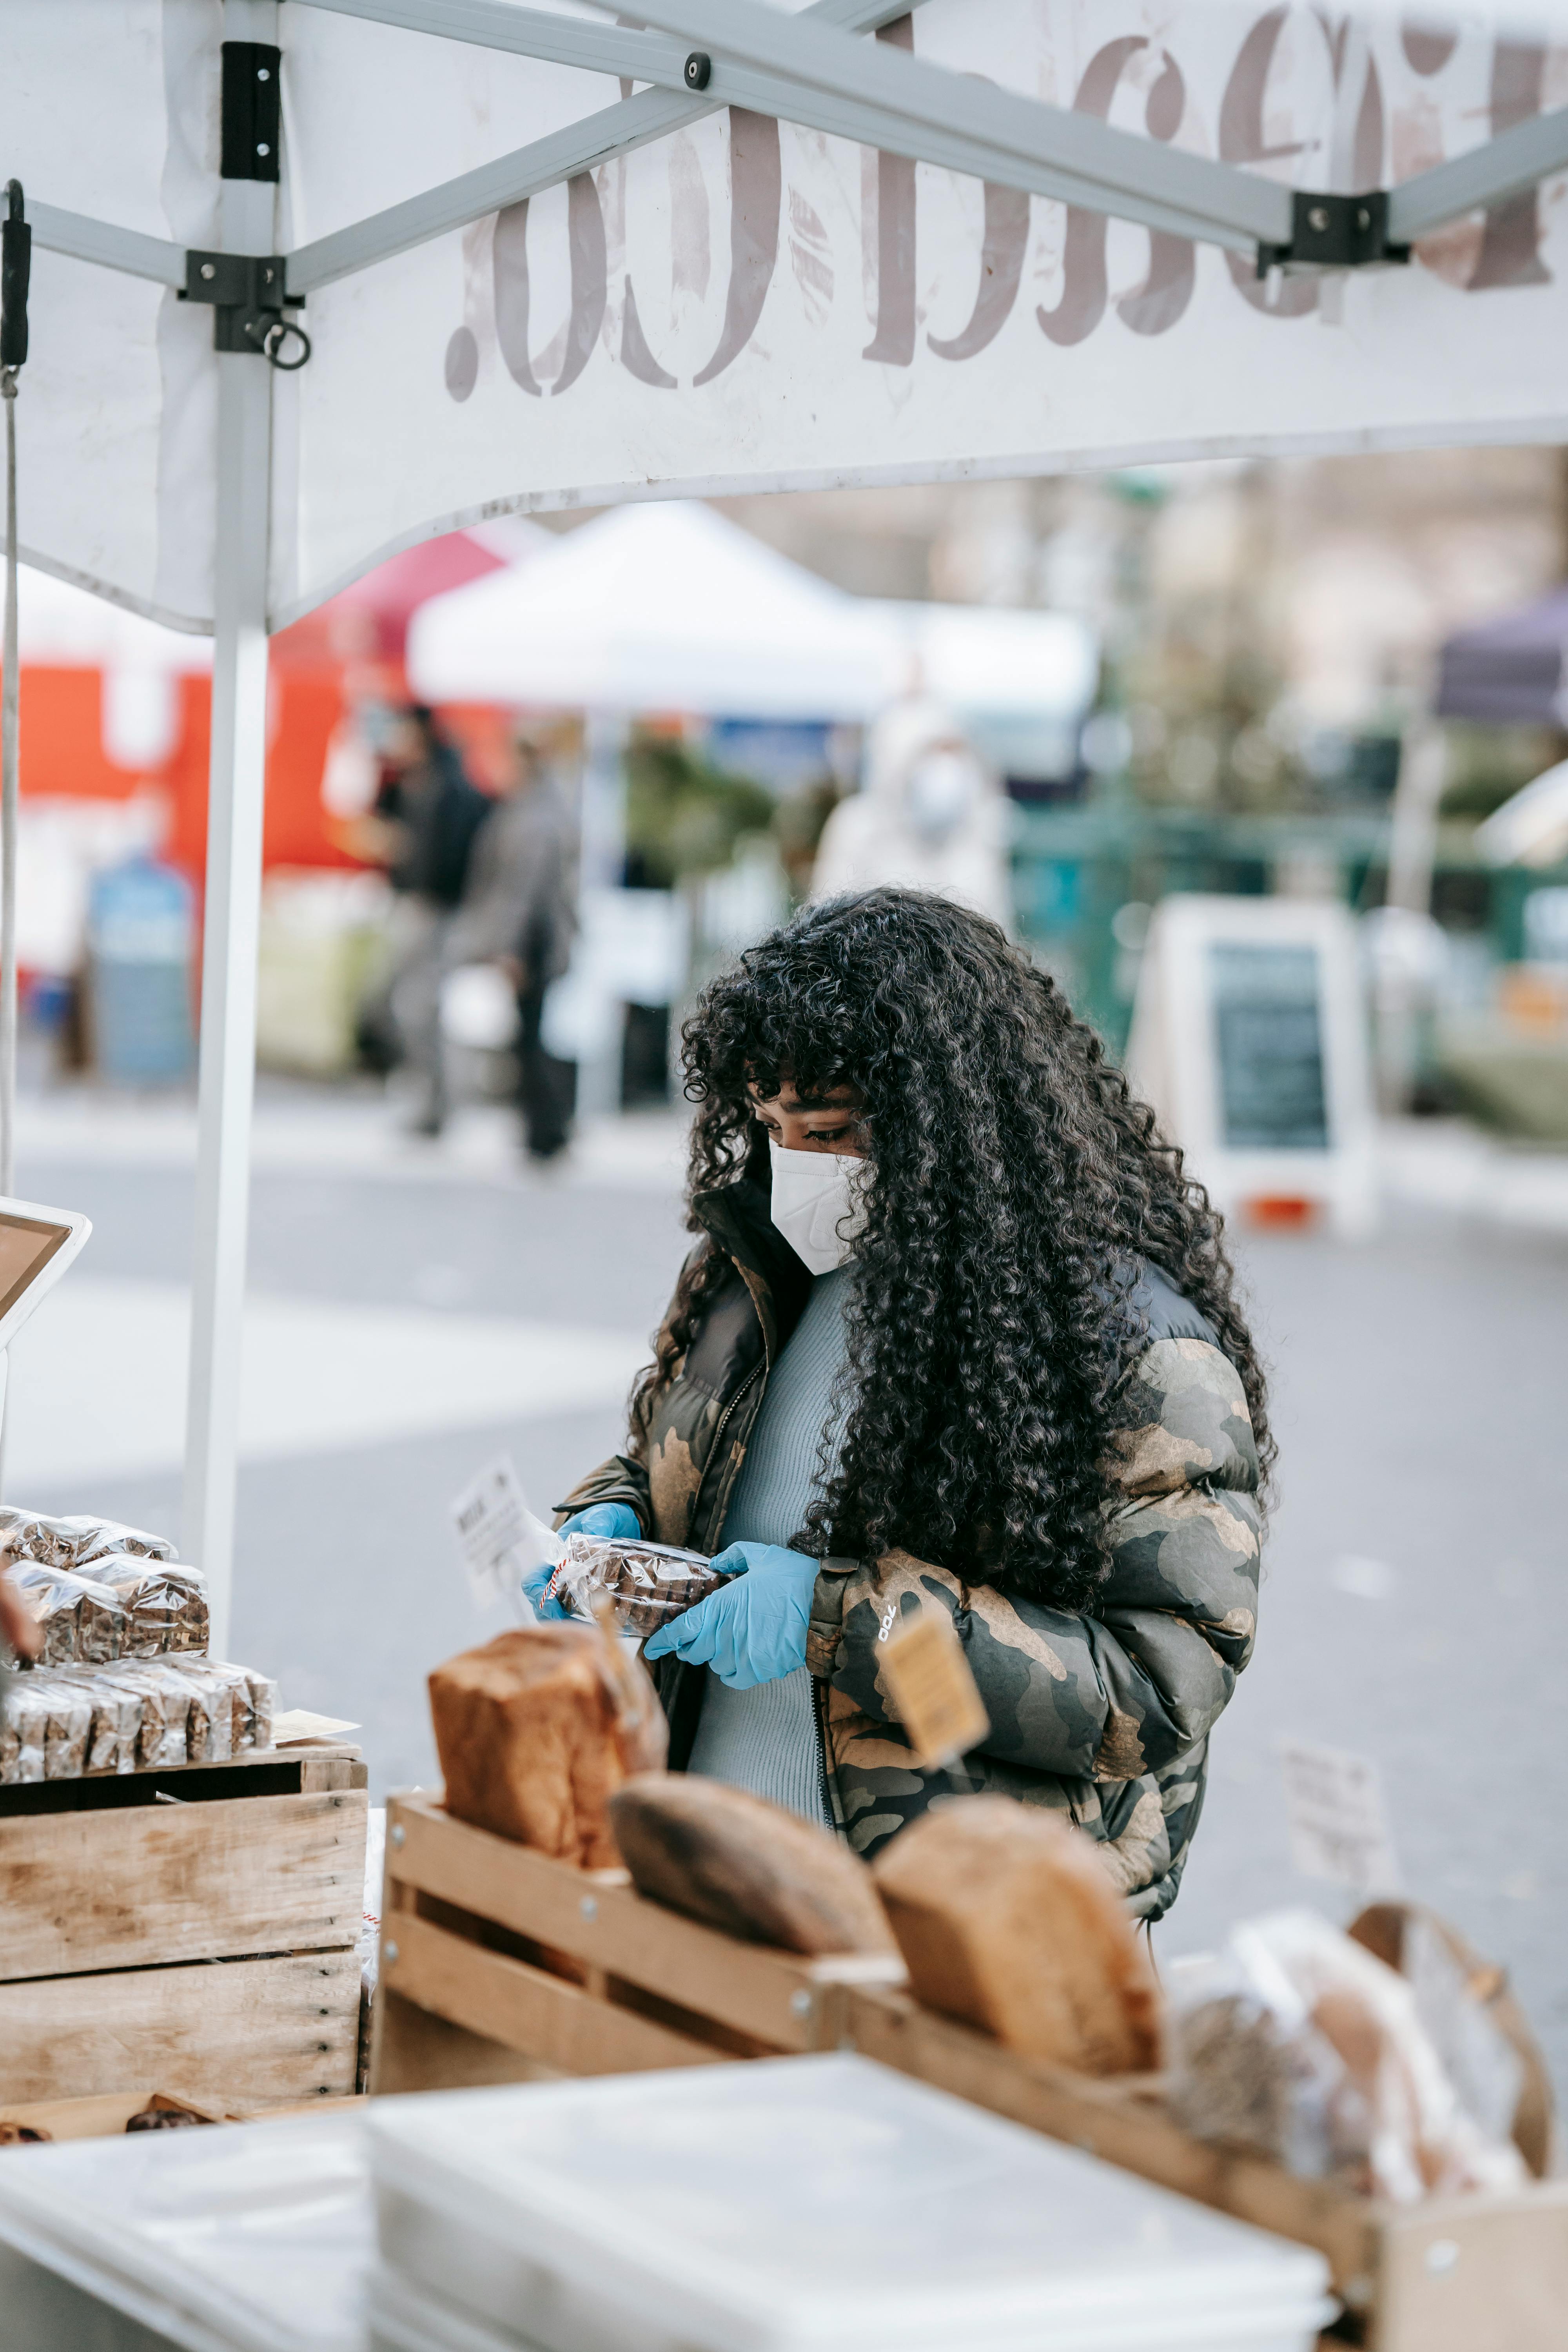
(1296, 2043)
(122, 1682)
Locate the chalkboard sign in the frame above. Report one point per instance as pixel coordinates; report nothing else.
(1249, 1039)
(1269, 1047)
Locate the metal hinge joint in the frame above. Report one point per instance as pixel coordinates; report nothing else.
(248, 292)
(1331, 232)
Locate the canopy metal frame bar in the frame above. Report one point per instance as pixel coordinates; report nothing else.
(814, 67)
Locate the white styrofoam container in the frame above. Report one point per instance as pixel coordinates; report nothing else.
(242, 2237)
(807, 2205)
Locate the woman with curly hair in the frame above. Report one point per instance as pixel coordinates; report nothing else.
(958, 1332)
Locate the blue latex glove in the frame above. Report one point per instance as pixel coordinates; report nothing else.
(612, 1521)
(755, 1630)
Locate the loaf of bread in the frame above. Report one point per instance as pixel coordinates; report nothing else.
(165, 1607)
(1007, 1919)
(737, 1863)
(538, 1729)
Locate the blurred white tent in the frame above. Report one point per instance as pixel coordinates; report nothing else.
(650, 608)
(672, 607)
(554, 258)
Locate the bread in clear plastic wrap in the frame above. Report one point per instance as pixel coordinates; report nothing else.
(22, 1733)
(165, 1605)
(67, 1542)
(81, 1622)
(68, 1729)
(263, 1693)
(116, 1723)
(1296, 2043)
(645, 1584)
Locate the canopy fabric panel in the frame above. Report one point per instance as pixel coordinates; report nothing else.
(747, 303)
(1512, 672)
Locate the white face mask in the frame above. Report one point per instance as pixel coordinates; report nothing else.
(814, 1194)
(941, 791)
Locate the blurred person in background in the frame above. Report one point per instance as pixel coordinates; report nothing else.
(421, 828)
(928, 817)
(520, 911)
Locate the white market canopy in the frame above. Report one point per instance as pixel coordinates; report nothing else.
(671, 607)
(551, 259)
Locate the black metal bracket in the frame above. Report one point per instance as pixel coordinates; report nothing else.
(251, 114)
(249, 296)
(15, 265)
(1334, 232)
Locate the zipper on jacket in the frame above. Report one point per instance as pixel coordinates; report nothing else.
(717, 1440)
(819, 1724)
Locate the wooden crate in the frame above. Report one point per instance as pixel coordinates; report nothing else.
(499, 1964)
(1485, 2273)
(194, 1926)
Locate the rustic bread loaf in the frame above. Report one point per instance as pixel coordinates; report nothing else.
(741, 1865)
(1007, 1919)
(538, 1729)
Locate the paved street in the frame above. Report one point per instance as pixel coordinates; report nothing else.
(414, 1314)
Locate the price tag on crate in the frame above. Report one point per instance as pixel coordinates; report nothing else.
(1339, 1821)
(932, 1688)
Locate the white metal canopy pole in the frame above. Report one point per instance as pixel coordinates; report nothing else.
(236, 778)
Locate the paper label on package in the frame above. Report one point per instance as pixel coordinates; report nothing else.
(1339, 1821)
(499, 1536)
(932, 1688)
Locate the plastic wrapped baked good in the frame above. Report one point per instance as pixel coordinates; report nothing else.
(22, 1733)
(165, 1711)
(67, 1542)
(116, 1723)
(1296, 2043)
(263, 1693)
(209, 1722)
(68, 1728)
(82, 1621)
(165, 1605)
(645, 1584)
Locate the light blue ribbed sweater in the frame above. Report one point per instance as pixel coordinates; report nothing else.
(764, 1740)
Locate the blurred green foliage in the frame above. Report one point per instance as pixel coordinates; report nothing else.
(684, 815)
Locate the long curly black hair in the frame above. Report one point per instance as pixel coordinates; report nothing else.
(1015, 1183)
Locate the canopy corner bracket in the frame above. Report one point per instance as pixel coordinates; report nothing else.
(1330, 232)
(249, 295)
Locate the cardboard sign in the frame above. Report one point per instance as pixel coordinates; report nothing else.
(500, 1536)
(932, 1688)
(1339, 1822)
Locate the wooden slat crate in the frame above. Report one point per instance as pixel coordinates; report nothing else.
(499, 1964)
(195, 1925)
(1451, 2274)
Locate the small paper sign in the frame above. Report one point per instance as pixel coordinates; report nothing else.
(932, 1688)
(1339, 1822)
(500, 1539)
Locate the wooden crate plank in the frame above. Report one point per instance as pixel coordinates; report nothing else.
(414, 2050)
(260, 1773)
(264, 2031)
(1108, 2120)
(160, 1884)
(506, 2001)
(777, 1997)
(1475, 2273)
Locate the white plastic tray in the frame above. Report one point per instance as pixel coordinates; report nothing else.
(806, 2205)
(244, 2237)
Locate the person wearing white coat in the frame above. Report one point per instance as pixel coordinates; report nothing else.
(928, 817)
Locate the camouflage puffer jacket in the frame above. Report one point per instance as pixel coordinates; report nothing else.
(1106, 1716)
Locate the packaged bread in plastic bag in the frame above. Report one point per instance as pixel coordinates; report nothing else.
(165, 1712)
(645, 1584)
(116, 1726)
(82, 1621)
(1295, 2043)
(67, 1726)
(22, 1733)
(67, 1542)
(263, 1694)
(165, 1605)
